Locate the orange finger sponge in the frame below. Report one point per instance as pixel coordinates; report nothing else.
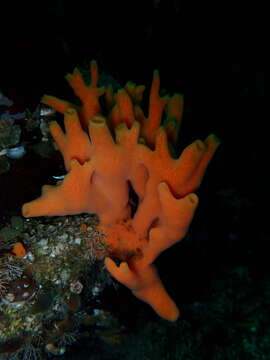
(106, 157)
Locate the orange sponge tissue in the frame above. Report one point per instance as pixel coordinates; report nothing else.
(106, 156)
